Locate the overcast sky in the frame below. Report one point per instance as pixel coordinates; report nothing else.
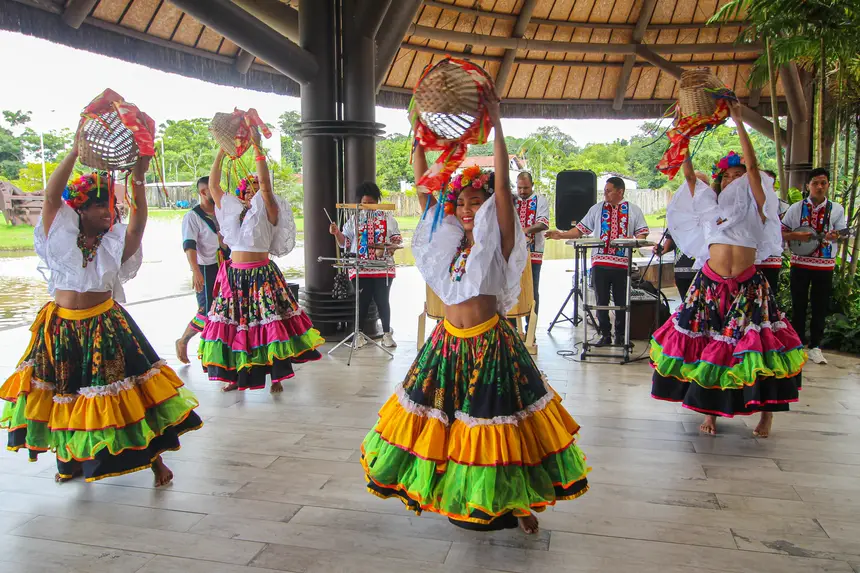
(55, 82)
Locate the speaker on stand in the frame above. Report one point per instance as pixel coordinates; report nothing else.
(575, 194)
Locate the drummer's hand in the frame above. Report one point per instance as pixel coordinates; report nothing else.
(553, 235)
(491, 100)
(802, 236)
(333, 229)
(831, 235)
(658, 250)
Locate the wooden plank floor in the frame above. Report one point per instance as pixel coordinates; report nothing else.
(273, 483)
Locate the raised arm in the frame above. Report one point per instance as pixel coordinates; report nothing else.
(56, 186)
(137, 219)
(419, 167)
(508, 223)
(215, 179)
(690, 175)
(750, 159)
(265, 180)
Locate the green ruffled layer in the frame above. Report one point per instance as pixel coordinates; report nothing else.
(81, 444)
(754, 365)
(216, 353)
(494, 490)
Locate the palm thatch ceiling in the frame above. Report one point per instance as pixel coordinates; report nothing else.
(550, 58)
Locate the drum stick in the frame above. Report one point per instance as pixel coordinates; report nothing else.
(328, 216)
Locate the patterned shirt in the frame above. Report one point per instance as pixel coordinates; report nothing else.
(624, 220)
(374, 228)
(824, 217)
(534, 211)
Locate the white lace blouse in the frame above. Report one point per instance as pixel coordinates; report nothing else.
(486, 270)
(254, 233)
(61, 261)
(731, 218)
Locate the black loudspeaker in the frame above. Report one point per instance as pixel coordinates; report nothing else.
(575, 194)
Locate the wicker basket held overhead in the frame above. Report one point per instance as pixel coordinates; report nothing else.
(106, 144)
(448, 98)
(232, 131)
(695, 92)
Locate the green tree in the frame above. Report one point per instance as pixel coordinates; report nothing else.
(10, 154)
(286, 185)
(16, 118)
(56, 143)
(188, 146)
(291, 141)
(392, 162)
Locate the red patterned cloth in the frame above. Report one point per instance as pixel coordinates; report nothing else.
(250, 119)
(685, 129)
(453, 150)
(141, 125)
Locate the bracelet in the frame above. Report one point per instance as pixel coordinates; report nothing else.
(260, 158)
(135, 182)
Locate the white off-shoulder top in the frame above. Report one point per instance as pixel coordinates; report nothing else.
(731, 218)
(61, 261)
(486, 271)
(254, 233)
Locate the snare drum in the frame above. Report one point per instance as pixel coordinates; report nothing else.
(525, 302)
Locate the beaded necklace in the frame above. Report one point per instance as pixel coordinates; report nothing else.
(89, 253)
(458, 264)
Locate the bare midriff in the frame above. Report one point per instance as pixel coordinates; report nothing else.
(248, 257)
(730, 260)
(74, 300)
(475, 311)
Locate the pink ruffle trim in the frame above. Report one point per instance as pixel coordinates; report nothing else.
(257, 336)
(715, 350)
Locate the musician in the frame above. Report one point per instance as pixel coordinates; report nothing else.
(812, 275)
(533, 211)
(610, 219)
(374, 228)
(202, 245)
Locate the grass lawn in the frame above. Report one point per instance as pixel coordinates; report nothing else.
(18, 238)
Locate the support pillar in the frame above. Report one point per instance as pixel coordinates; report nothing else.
(319, 156)
(800, 160)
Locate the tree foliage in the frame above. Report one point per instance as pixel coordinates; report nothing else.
(189, 148)
(291, 141)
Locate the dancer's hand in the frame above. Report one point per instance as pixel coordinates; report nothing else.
(736, 111)
(491, 100)
(197, 280)
(141, 167)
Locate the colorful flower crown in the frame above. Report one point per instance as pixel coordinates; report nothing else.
(473, 177)
(245, 189)
(730, 160)
(79, 190)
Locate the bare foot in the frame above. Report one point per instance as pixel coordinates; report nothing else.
(230, 387)
(163, 475)
(529, 524)
(764, 424)
(709, 426)
(182, 351)
(63, 479)
(276, 388)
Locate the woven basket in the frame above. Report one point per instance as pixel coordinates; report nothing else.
(106, 144)
(448, 100)
(693, 95)
(224, 128)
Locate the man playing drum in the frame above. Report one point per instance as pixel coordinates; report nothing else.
(610, 219)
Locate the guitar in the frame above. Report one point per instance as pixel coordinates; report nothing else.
(807, 247)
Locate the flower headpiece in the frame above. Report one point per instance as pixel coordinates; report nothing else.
(730, 160)
(473, 177)
(85, 188)
(246, 187)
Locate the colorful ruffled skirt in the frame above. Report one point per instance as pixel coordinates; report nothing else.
(474, 432)
(255, 327)
(92, 390)
(728, 350)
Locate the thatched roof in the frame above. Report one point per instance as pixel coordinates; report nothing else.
(557, 58)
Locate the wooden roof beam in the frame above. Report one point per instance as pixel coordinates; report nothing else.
(371, 14)
(751, 117)
(243, 61)
(476, 12)
(508, 58)
(253, 36)
(431, 33)
(754, 98)
(793, 93)
(645, 14)
(77, 11)
(397, 21)
(279, 16)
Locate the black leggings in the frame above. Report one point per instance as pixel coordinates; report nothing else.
(375, 289)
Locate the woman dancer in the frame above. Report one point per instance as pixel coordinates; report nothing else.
(474, 432)
(728, 350)
(90, 387)
(373, 227)
(255, 326)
